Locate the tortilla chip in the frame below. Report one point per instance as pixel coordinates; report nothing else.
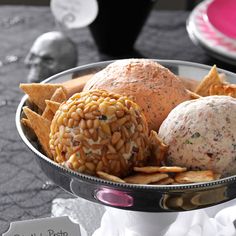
(48, 114)
(193, 95)
(223, 89)
(76, 85)
(158, 147)
(38, 93)
(26, 122)
(41, 127)
(165, 169)
(212, 78)
(58, 96)
(28, 129)
(194, 176)
(53, 106)
(145, 178)
(109, 177)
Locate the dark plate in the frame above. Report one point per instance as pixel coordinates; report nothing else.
(147, 198)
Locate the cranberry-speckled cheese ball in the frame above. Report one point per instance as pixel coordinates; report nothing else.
(99, 131)
(201, 134)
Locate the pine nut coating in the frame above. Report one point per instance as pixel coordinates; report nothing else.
(98, 131)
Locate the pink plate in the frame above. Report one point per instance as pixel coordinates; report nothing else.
(222, 15)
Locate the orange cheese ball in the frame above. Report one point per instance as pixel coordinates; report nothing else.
(153, 87)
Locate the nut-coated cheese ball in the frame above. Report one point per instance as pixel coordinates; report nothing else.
(99, 131)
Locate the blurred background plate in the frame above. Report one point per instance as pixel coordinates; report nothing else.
(222, 15)
(204, 34)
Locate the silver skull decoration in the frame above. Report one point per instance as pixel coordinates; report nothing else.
(51, 53)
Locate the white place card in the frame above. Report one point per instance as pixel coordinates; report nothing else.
(74, 13)
(55, 226)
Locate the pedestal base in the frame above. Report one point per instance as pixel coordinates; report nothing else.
(98, 220)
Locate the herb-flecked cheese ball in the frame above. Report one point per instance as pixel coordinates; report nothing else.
(201, 134)
(99, 131)
(152, 86)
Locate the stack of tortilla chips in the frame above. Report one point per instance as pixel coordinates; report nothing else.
(44, 101)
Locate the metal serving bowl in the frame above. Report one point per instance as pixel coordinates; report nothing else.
(148, 198)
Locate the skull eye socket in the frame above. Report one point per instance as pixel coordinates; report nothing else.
(47, 60)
